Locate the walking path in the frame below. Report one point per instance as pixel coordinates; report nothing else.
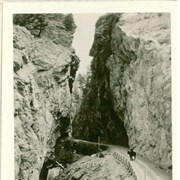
(142, 169)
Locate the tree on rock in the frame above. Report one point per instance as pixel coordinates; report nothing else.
(69, 22)
(35, 23)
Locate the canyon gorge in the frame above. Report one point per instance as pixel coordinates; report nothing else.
(124, 101)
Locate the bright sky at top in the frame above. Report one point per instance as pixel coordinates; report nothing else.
(84, 37)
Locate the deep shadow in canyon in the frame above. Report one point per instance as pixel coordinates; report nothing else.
(97, 117)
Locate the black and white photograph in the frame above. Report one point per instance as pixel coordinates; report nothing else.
(92, 94)
(98, 113)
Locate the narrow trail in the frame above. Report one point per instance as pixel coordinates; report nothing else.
(142, 169)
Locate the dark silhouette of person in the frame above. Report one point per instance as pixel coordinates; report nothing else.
(132, 154)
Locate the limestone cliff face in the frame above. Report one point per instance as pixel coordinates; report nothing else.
(44, 70)
(129, 99)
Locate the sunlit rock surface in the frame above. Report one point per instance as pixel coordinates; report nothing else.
(129, 99)
(97, 167)
(44, 71)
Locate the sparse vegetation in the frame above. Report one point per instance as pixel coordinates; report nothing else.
(35, 23)
(69, 22)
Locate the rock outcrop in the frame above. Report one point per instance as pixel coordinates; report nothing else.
(129, 98)
(97, 167)
(45, 65)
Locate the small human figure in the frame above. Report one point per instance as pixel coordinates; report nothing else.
(132, 154)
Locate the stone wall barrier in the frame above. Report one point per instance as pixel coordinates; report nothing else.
(123, 160)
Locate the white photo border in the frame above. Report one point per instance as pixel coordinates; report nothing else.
(7, 129)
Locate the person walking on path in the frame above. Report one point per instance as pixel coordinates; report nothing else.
(132, 154)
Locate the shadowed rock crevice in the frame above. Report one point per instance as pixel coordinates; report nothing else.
(97, 117)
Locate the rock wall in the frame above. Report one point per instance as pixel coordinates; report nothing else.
(45, 65)
(97, 116)
(103, 165)
(129, 99)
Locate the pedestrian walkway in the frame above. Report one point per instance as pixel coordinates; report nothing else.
(143, 170)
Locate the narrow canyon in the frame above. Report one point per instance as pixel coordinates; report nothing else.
(83, 126)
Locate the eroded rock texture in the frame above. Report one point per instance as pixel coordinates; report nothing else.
(44, 70)
(129, 99)
(97, 167)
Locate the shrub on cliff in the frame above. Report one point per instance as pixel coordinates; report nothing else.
(35, 23)
(69, 22)
(20, 19)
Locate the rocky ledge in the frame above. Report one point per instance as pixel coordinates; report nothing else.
(97, 167)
